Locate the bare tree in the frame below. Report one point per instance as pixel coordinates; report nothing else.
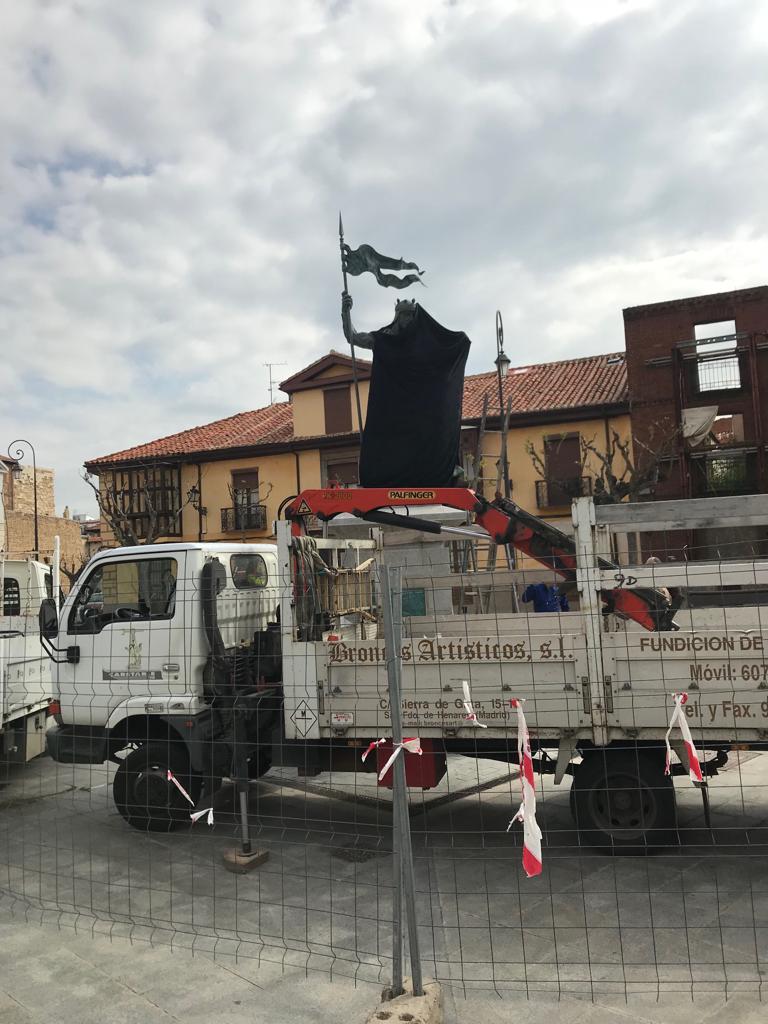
(120, 522)
(74, 570)
(618, 473)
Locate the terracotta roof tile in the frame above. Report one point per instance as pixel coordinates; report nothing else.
(544, 387)
(548, 387)
(270, 425)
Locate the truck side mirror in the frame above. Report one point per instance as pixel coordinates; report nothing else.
(48, 619)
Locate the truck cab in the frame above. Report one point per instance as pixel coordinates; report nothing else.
(25, 672)
(146, 647)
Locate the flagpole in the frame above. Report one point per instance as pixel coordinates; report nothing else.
(351, 334)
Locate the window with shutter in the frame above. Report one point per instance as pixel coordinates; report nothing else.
(562, 457)
(338, 410)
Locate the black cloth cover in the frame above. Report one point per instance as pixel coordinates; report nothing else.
(413, 424)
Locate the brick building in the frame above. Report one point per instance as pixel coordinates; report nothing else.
(698, 386)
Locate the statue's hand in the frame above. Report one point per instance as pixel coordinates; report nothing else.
(346, 303)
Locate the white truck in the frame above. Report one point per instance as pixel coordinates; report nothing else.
(180, 654)
(25, 670)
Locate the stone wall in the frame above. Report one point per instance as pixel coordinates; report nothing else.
(23, 491)
(20, 527)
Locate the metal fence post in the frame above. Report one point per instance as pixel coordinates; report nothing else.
(402, 868)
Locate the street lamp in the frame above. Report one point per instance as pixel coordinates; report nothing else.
(194, 495)
(502, 363)
(17, 453)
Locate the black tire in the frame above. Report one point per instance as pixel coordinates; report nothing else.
(259, 764)
(622, 801)
(143, 794)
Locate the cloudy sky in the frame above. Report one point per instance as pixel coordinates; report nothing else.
(171, 173)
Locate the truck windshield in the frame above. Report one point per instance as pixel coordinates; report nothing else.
(122, 590)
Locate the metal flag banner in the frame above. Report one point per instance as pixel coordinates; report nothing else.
(527, 812)
(365, 259)
(678, 718)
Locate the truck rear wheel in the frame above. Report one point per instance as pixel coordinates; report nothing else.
(621, 799)
(143, 794)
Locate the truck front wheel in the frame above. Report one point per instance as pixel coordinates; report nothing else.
(622, 799)
(143, 794)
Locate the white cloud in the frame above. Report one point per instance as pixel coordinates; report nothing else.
(172, 172)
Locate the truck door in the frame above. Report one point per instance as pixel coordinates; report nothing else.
(127, 621)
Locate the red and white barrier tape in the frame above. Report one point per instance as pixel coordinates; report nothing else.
(471, 714)
(372, 746)
(172, 778)
(412, 744)
(527, 813)
(679, 718)
(195, 815)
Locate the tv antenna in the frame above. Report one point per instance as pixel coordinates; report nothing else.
(272, 381)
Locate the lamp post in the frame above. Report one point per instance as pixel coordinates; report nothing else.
(194, 495)
(502, 362)
(17, 453)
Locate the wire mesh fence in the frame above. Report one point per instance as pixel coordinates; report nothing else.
(209, 790)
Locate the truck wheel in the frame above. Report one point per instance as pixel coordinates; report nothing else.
(143, 794)
(622, 800)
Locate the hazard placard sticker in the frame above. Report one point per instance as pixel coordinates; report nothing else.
(303, 718)
(303, 509)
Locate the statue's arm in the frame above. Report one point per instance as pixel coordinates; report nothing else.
(362, 339)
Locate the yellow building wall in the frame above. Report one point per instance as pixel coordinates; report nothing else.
(308, 413)
(278, 473)
(309, 409)
(522, 471)
(364, 386)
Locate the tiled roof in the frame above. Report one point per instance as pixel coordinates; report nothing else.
(545, 387)
(549, 387)
(270, 425)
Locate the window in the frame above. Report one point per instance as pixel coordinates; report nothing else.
(727, 474)
(718, 361)
(247, 513)
(11, 597)
(248, 571)
(342, 474)
(562, 459)
(338, 410)
(140, 492)
(245, 487)
(125, 591)
(729, 428)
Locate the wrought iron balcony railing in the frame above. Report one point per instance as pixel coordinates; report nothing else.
(243, 517)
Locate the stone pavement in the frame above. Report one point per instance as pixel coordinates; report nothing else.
(115, 916)
(48, 974)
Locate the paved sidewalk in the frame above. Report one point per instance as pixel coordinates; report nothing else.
(52, 975)
(88, 894)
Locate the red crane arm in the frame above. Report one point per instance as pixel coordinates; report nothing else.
(505, 522)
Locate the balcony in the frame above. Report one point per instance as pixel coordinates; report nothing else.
(560, 493)
(243, 517)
